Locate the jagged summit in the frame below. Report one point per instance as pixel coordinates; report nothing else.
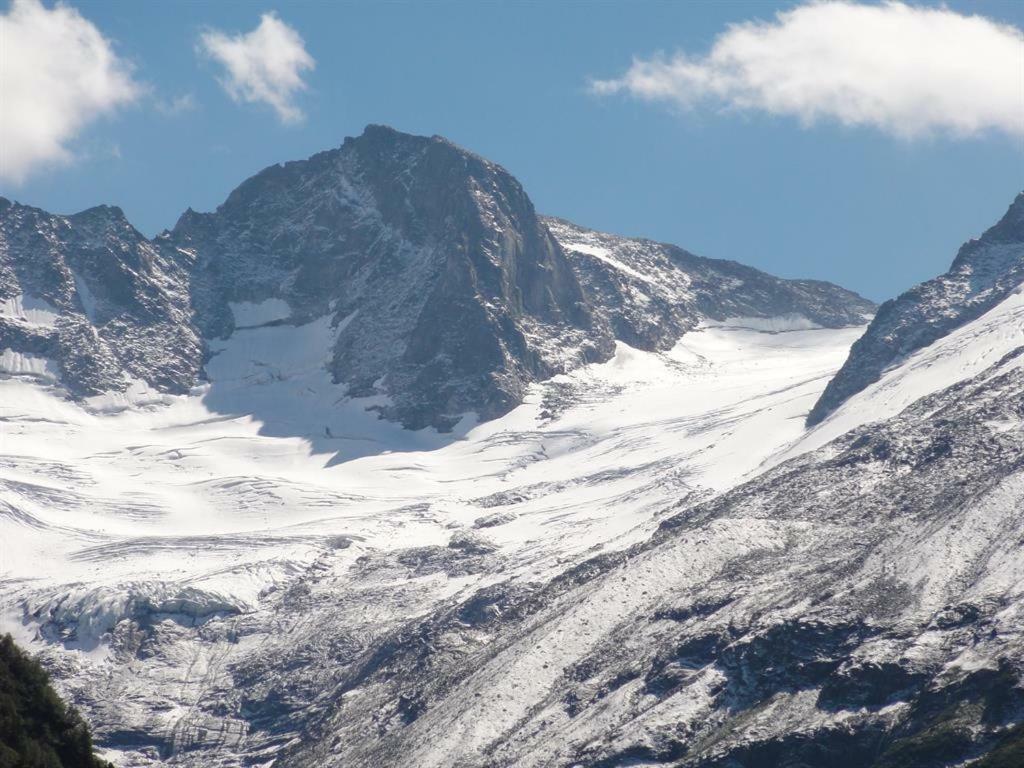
(1010, 228)
(108, 213)
(88, 301)
(984, 272)
(449, 294)
(446, 293)
(111, 214)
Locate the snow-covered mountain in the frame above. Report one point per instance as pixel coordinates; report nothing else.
(444, 292)
(88, 301)
(984, 273)
(651, 293)
(637, 554)
(855, 602)
(856, 605)
(207, 588)
(451, 292)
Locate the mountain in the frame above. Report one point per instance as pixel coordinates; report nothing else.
(983, 274)
(644, 559)
(446, 294)
(450, 292)
(88, 300)
(853, 606)
(652, 293)
(208, 590)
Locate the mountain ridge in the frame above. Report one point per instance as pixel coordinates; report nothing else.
(984, 272)
(650, 561)
(448, 293)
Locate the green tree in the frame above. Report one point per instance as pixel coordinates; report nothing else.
(37, 729)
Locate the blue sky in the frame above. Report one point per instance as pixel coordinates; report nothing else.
(864, 204)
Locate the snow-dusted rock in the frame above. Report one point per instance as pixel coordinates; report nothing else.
(642, 559)
(652, 293)
(447, 294)
(984, 273)
(95, 298)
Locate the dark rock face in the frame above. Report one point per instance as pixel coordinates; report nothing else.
(452, 293)
(447, 293)
(116, 305)
(651, 293)
(984, 273)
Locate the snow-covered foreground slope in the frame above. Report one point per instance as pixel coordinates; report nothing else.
(160, 549)
(859, 604)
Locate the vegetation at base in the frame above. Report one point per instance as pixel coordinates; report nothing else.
(1008, 753)
(37, 729)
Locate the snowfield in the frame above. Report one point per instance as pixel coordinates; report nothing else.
(374, 466)
(251, 472)
(262, 572)
(199, 506)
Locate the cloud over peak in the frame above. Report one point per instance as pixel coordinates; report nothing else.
(58, 73)
(264, 65)
(906, 70)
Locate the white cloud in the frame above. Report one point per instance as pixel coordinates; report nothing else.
(906, 70)
(57, 74)
(264, 65)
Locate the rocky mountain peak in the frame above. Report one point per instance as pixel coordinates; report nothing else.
(1011, 227)
(452, 295)
(445, 292)
(986, 255)
(111, 214)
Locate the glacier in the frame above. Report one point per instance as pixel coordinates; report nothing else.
(374, 466)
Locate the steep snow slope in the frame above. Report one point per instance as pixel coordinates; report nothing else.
(171, 554)
(859, 604)
(983, 274)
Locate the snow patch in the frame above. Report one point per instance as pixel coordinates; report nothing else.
(85, 296)
(24, 364)
(31, 310)
(604, 255)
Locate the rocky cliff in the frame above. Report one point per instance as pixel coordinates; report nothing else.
(446, 292)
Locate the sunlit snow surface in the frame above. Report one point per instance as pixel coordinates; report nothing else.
(197, 491)
(268, 478)
(962, 354)
(29, 310)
